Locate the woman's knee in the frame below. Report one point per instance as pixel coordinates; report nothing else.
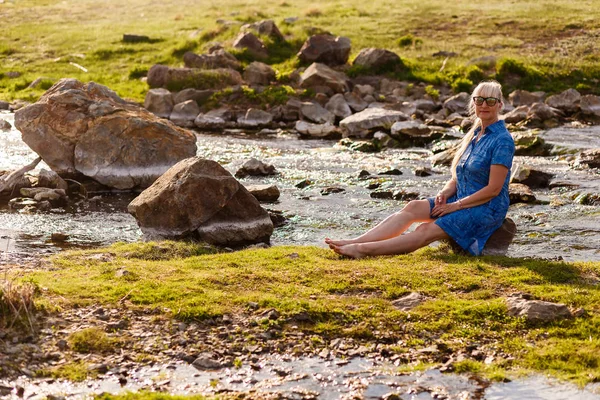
(430, 232)
(419, 208)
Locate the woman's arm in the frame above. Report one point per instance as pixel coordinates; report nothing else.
(494, 187)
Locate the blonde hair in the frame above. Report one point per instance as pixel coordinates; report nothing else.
(484, 89)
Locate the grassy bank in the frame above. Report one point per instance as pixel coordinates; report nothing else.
(548, 45)
(321, 294)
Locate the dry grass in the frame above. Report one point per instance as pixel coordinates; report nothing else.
(17, 305)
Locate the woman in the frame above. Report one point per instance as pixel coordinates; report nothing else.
(472, 204)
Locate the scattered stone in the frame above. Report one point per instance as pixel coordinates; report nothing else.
(338, 106)
(530, 144)
(255, 118)
(249, 42)
(185, 113)
(214, 60)
(363, 146)
(423, 171)
(316, 113)
(159, 102)
(57, 197)
(303, 183)
(214, 119)
(205, 362)
(590, 106)
(363, 174)
(589, 158)
(403, 195)
(355, 102)
(318, 74)
(258, 73)
(536, 310)
(321, 131)
(4, 105)
(531, 177)
(520, 193)
(268, 193)
(378, 60)
(162, 76)
(523, 97)
(265, 27)
(409, 301)
(410, 128)
(567, 101)
(329, 190)
(517, 115)
(360, 124)
(50, 179)
(5, 126)
(382, 194)
(277, 218)
(58, 237)
(254, 167)
(458, 103)
(325, 49)
(393, 171)
(199, 96)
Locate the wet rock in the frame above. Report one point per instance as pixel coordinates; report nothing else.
(531, 177)
(50, 179)
(217, 59)
(159, 102)
(587, 199)
(444, 158)
(355, 102)
(303, 183)
(589, 158)
(329, 190)
(498, 243)
(559, 183)
(530, 144)
(520, 193)
(222, 213)
(409, 301)
(254, 167)
(542, 115)
(252, 44)
(377, 60)
(161, 76)
(523, 97)
(567, 101)
(5, 126)
(393, 171)
(382, 194)
(321, 131)
(265, 27)
(316, 113)
(360, 124)
(87, 129)
(458, 103)
(277, 218)
(206, 362)
(359, 145)
(383, 140)
(423, 171)
(255, 118)
(410, 128)
(56, 197)
(536, 310)
(258, 73)
(318, 74)
(517, 115)
(214, 119)
(4, 105)
(267, 193)
(199, 96)
(62, 345)
(590, 106)
(58, 237)
(326, 49)
(338, 106)
(185, 113)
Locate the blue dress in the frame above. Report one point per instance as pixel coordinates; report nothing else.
(472, 227)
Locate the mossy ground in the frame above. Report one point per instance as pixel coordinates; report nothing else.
(353, 298)
(539, 45)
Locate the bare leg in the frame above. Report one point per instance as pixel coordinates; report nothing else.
(426, 233)
(394, 225)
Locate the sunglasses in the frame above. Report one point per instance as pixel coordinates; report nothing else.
(490, 101)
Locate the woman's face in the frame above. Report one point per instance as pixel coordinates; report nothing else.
(484, 111)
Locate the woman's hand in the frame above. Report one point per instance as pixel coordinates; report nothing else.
(440, 199)
(440, 210)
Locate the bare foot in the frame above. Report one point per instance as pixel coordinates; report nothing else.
(348, 250)
(339, 242)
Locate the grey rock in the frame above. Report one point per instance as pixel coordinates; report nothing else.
(530, 176)
(567, 101)
(498, 243)
(5, 125)
(199, 96)
(325, 49)
(254, 167)
(378, 60)
(316, 113)
(408, 302)
(326, 130)
(410, 128)
(590, 105)
(217, 59)
(185, 113)
(536, 310)
(267, 193)
(360, 124)
(252, 44)
(254, 118)
(520, 193)
(214, 119)
(458, 103)
(159, 102)
(258, 73)
(338, 106)
(523, 97)
(356, 103)
(205, 362)
(318, 74)
(161, 76)
(265, 27)
(517, 115)
(50, 179)
(589, 158)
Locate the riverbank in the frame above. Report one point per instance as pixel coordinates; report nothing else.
(550, 47)
(159, 302)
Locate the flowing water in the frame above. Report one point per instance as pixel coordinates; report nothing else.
(569, 230)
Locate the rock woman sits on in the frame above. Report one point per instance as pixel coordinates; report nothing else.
(472, 204)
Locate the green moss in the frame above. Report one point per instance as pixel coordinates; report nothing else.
(76, 372)
(462, 85)
(146, 396)
(91, 340)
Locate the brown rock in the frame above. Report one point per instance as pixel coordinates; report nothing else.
(252, 44)
(87, 129)
(217, 59)
(176, 79)
(520, 193)
(258, 73)
(200, 199)
(325, 49)
(268, 193)
(378, 60)
(536, 310)
(318, 74)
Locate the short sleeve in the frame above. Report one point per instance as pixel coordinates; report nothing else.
(503, 153)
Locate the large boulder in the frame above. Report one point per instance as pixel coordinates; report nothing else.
(517, 115)
(217, 59)
(86, 129)
(185, 113)
(314, 112)
(458, 103)
(377, 60)
(199, 199)
(318, 74)
(590, 106)
(524, 98)
(159, 102)
(362, 123)
(254, 118)
(567, 101)
(175, 79)
(338, 106)
(326, 49)
(530, 176)
(199, 96)
(214, 119)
